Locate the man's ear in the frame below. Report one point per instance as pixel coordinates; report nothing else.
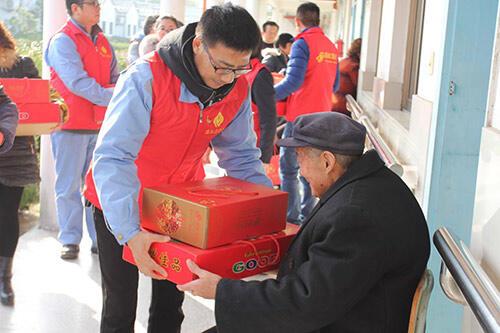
(197, 45)
(329, 161)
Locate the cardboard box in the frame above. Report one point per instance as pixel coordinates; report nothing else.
(36, 119)
(214, 212)
(26, 90)
(234, 261)
(99, 113)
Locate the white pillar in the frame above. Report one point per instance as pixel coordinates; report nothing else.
(252, 6)
(175, 8)
(54, 16)
(388, 84)
(211, 3)
(369, 50)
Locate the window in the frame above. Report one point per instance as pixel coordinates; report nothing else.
(128, 30)
(413, 52)
(111, 28)
(104, 26)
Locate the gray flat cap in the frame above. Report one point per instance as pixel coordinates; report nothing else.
(330, 131)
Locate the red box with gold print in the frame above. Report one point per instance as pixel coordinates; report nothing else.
(214, 212)
(234, 261)
(36, 119)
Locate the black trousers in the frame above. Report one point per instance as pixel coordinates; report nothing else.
(10, 197)
(119, 289)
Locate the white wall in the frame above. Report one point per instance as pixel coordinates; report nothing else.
(132, 19)
(432, 49)
(108, 15)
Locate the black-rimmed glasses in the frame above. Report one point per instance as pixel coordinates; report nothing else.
(226, 70)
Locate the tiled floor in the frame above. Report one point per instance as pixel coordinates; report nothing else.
(53, 295)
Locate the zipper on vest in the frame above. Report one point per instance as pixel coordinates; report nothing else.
(201, 115)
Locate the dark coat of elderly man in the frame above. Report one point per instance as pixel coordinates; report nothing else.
(356, 261)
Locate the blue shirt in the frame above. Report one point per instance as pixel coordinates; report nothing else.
(62, 55)
(296, 71)
(126, 125)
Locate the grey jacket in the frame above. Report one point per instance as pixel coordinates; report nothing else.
(8, 121)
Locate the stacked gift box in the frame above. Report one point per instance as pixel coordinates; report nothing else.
(36, 114)
(228, 226)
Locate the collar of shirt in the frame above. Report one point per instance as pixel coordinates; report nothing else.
(82, 28)
(187, 96)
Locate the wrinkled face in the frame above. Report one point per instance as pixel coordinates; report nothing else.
(219, 65)
(87, 13)
(270, 34)
(312, 168)
(164, 27)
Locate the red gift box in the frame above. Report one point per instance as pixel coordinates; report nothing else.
(99, 113)
(26, 90)
(235, 261)
(36, 119)
(214, 212)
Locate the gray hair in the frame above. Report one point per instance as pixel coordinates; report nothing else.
(343, 160)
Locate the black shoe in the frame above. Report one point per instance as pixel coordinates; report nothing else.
(94, 249)
(6, 292)
(70, 251)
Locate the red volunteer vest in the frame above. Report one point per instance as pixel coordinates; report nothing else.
(96, 59)
(315, 94)
(256, 67)
(179, 133)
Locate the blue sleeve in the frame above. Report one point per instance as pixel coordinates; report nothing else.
(125, 126)
(237, 149)
(8, 122)
(62, 55)
(336, 83)
(295, 70)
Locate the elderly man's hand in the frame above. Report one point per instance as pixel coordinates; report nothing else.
(139, 245)
(205, 286)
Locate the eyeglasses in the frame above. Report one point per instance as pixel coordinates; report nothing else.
(95, 3)
(226, 70)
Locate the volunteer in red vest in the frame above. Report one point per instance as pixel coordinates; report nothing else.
(310, 79)
(166, 109)
(260, 81)
(82, 64)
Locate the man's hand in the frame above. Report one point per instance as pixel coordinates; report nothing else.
(205, 286)
(140, 244)
(267, 166)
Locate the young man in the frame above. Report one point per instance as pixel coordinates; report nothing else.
(356, 262)
(276, 61)
(166, 109)
(82, 63)
(310, 77)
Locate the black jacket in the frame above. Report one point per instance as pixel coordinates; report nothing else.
(353, 267)
(19, 166)
(275, 63)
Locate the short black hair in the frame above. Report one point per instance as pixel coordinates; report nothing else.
(284, 39)
(308, 14)
(149, 22)
(230, 25)
(69, 3)
(271, 24)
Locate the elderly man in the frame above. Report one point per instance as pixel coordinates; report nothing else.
(358, 257)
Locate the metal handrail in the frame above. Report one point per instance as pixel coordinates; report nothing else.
(376, 140)
(474, 284)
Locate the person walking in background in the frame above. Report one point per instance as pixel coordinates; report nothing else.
(167, 108)
(82, 63)
(349, 68)
(18, 166)
(261, 85)
(276, 59)
(133, 48)
(310, 80)
(162, 27)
